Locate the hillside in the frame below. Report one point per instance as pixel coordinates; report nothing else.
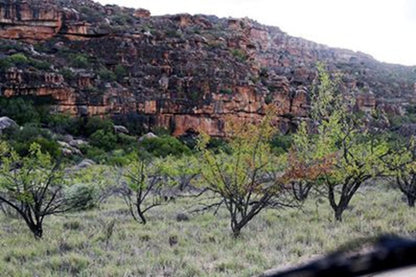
(179, 72)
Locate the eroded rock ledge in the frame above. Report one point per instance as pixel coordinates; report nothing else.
(180, 72)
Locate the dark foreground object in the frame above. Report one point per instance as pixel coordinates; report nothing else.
(386, 253)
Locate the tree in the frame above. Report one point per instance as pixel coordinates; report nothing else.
(181, 170)
(246, 179)
(308, 161)
(32, 186)
(402, 165)
(358, 159)
(142, 181)
(357, 154)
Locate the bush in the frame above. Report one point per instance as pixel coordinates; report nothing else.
(68, 74)
(104, 139)
(164, 146)
(133, 122)
(120, 157)
(80, 61)
(81, 196)
(22, 138)
(126, 141)
(63, 123)
(20, 110)
(94, 153)
(18, 59)
(107, 75)
(120, 72)
(95, 123)
(281, 143)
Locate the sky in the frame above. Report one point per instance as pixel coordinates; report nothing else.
(385, 29)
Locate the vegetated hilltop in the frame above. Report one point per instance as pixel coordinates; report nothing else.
(180, 72)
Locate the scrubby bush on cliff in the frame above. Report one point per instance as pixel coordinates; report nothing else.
(79, 61)
(21, 60)
(107, 75)
(120, 72)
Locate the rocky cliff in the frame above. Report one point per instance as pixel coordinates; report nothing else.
(180, 72)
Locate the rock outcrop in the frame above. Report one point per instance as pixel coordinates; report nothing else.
(181, 72)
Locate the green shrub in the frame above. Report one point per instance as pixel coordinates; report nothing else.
(239, 54)
(95, 123)
(20, 110)
(5, 64)
(80, 61)
(281, 143)
(104, 139)
(226, 91)
(48, 146)
(120, 72)
(41, 65)
(68, 74)
(119, 157)
(218, 144)
(22, 138)
(81, 196)
(164, 146)
(18, 59)
(107, 75)
(63, 123)
(127, 141)
(94, 153)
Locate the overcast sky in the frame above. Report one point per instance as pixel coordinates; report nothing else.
(385, 29)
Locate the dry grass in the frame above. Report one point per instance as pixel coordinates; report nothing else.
(83, 244)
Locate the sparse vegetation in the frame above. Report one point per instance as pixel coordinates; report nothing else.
(253, 180)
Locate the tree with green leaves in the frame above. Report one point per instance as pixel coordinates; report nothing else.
(356, 155)
(246, 179)
(402, 166)
(180, 170)
(33, 186)
(142, 187)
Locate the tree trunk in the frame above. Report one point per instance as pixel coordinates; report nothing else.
(236, 232)
(338, 213)
(141, 214)
(410, 200)
(37, 230)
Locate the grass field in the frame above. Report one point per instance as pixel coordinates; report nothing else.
(84, 244)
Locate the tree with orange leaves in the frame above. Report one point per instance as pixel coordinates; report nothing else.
(248, 179)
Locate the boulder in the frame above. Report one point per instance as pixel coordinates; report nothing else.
(77, 142)
(85, 163)
(120, 129)
(149, 135)
(6, 123)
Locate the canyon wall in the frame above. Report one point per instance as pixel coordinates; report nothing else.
(181, 72)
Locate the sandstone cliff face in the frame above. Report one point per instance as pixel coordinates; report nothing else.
(182, 72)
